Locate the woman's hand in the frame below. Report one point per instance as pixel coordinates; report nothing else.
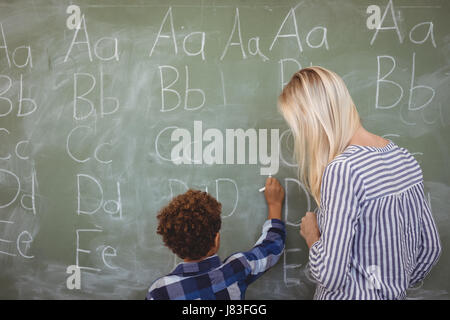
(274, 194)
(309, 229)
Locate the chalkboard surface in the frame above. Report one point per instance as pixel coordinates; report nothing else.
(108, 111)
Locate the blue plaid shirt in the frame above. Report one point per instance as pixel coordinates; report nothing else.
(212, 279)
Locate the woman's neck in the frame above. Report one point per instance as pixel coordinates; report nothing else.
(362, 137)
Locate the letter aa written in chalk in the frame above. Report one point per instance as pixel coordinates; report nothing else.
(99, 46)
(21, 50)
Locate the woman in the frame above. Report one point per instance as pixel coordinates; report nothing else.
(374, 235)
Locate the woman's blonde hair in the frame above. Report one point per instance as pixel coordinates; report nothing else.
(323, 118)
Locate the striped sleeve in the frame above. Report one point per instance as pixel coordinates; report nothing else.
(329, 257)
(430, 247)
(266, 251)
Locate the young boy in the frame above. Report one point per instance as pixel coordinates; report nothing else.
(190, 226)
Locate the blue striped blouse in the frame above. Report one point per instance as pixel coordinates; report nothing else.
(378, 237)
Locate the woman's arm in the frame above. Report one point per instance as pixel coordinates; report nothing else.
(430, 247)
(329, 257)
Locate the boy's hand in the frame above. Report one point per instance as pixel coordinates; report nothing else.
(274, 194)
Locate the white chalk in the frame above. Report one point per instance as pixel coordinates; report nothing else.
(264, 188)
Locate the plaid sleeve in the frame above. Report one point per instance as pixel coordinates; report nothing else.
(266, 251)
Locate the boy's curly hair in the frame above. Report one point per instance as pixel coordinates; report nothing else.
(189, 224)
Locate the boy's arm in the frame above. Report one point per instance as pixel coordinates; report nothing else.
(267, 250)
(270, 245)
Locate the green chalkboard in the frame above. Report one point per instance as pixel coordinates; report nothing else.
(107, 113)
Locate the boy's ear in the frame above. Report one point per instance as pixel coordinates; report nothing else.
(217, 240)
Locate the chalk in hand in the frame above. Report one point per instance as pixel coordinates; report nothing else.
(264, 188)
